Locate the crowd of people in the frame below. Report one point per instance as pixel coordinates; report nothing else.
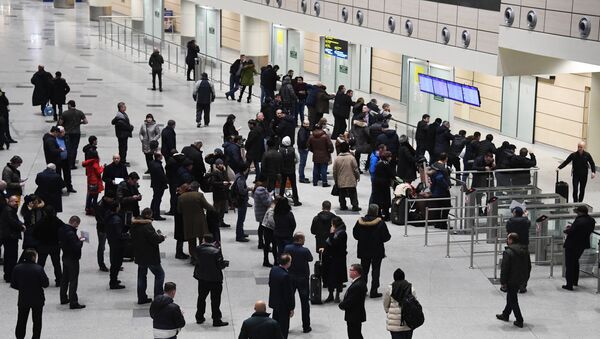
(276, 149)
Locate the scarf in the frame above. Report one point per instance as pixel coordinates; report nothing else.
(400, 289)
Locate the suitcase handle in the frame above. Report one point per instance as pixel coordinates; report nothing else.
(557, 175)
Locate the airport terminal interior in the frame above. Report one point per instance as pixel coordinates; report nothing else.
(525, 71)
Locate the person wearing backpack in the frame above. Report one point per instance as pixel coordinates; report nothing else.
(392, 304)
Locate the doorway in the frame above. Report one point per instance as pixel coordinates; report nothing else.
(419, 102)
(518, 107)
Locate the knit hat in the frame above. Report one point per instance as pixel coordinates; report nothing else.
(286, 141)
(219, 162)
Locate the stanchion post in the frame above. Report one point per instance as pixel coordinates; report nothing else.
(448, 240)
(551, 257)
(496, 259)
(426, 224)
(406, 217)
(472, 245)
(598, 285)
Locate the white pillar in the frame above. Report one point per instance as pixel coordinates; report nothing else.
(593, 123)
(137, 14)
(187, 23)
(99, 8)
(255, 39)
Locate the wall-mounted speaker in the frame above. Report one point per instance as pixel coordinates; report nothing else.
(408, 27)
(531, 19)
(345, 14)
(391, 24)
(317, 8)
(585, 27)
(445, 35)
(509, 16)
(360, 17)
(304, 6)
(466, 38)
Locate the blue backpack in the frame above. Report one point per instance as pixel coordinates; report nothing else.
(48, 111)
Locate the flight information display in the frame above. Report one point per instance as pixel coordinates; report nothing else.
(425, 83)
(449, 89)
(440, 87)
(471, 95)
(455, 91)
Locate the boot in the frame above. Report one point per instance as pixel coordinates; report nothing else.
(329, 298)
(337, 297)
(249, 99)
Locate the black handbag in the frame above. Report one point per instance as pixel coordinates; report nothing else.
(335, 191)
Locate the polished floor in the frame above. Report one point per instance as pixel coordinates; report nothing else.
(459, 302)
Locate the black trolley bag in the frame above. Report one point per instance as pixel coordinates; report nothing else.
(561, 188)
(316, 284)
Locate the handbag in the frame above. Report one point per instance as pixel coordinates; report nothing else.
(335, 191)
(48, 111)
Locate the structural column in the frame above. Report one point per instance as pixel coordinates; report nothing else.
(593, 123)
(187, 25)
(99, 8)
(137, 14)
(255, 39)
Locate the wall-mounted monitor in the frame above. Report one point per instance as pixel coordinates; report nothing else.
(471, 95)
(455, 91)
(440, 87)
(425, 83)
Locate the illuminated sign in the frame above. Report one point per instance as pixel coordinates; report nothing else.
(336, 47)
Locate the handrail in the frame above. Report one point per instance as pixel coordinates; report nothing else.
(406, 210)
(501, 170)
(403, 123)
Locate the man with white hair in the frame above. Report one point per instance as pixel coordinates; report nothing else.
(582, 160)
(49, 187)
(156, 61)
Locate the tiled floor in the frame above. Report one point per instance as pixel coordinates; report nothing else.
(459, 302)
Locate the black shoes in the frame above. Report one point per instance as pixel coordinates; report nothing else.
(71, 190)
(103, 268)
(501, 317)
(328, 300)
(326, 185)
(356, 209)
(170, 213)
(144, 301)
(267, 264)
(77, 306)
(297, 203)
(224, 225)
(519, 324)
(200, 321)
(307, 329)
(568, 288)
(159, 218)
(182, 256)
(242, 240)
(375, 295)
(523, 290)
(219, 323)
(304, 181)
(343, 208)
(64, 302)
(117, 287)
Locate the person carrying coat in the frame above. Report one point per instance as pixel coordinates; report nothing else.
(577, 241)
(334, 259)
(247, 79)
(204, 95)
(149, 132)
(190, 58)
(321, 146)
(123, 129)
(260, 325)
(42, 88)
(192, 206)
(346, 177)
(30, 280)
(209, 273)
(155, 62)
(147, 255)
(371, 232)
(353, 303)
(60, 89)
(281, 293)
(515, 270)
(392, 305)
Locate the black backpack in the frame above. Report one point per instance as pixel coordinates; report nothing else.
(412, 312)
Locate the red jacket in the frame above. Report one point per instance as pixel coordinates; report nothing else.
(93, 171)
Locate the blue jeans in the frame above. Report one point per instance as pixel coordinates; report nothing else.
(159, 280)
(300, 110)
(262, 94)
(319, 173)
(241, 217)
(234, 84)
(303, 156)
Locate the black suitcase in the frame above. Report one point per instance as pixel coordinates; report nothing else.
(128, 253)
(398, 205)
(315, 290)
(562, 188)
(317, 271)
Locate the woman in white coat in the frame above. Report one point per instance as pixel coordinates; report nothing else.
(392, 306)
(149, 132)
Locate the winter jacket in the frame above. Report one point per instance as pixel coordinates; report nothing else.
(125, 193)
(486, 146)
(156, 61)
(440, 184)
(288, 96)
(42, 90)
(192, 53)
(430, 135)
(335, 271)
(167, 318)
(254, 145)
(233, 154)
(149, 132)
(272, 162)
(51, 150)
(12, 176)
(522, 178)
(521, 226)
(289, 159)
(168, 140)
(93, 172)
(10, 225)
(284, 225)
(30, 280)
(322, 101)
(345, 171)
(286, 127)
(302, 138)
(321, 146)
(516, 265)
(581, 163)
(342, 105)
(360, 132)
(578, 235)
(260, 326)
(321, 224)
(209, 263)
(111, 172)
(389, 138)
(60, 89)
(204, 92)
(50, 186)
(407, 164)
(371, 233)
(458, 144)
(443, 138)
(262, 202)
(69, 242)
(123, 127)
(191, 205)
(247, 74)
(393, 311)
(158, 178)
(195, 155)
(145, 242)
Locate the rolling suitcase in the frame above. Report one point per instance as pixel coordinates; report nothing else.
(316, 284)
(562, 188)
(398, 206)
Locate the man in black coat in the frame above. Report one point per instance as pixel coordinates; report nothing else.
(582, 160)
(459, 141)
(430, 137)
(421, 134)
(443, 137)
(168, 139)
(234, 77)
(516, 267)
(51, 149)
(342, 105)
(159, 183)
(71, 245)
(204, 94)
(520, 224)
(129, 196)
(113, 174)
(272, 162)
(45, 232)
(321, 224)
(50, 186)
(281, 293)
(167, 318)
(286, 126)
(354, 302)
(300, 273)
(30, 280)
(577, 241)
(147, 255)
(10, 233)
(194, 152)
(42, 90)
(371, 232)
(487, 145)
(209, 273)
(260, 325)
(288, 169)
(172, 166)
(114, 227)
(155, 62)
(522, 178)
(60, 89)
(269, 80)
(255, 146)
(123, 129)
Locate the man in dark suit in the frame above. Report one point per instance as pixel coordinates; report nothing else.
(30, 280)
(10, 233)
(209, 273)
(300, 273)
(159, 183)
(50, 186)
(259, 325)
(354, 302)
(281, 293)
(71, 245)
(168, 139)
(577, 241)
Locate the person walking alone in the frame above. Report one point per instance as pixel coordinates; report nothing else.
(190, 58)
(156, 61)
(204, 94)
(582, 160)
(577, 241)
(392, 305)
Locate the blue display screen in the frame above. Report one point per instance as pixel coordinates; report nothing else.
(440, 87)
(425, 83)
(471, 95)
(455, 91)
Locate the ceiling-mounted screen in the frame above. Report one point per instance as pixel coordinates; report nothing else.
(440, 87)
(425, 83)
(455, 91)
(471, 95)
